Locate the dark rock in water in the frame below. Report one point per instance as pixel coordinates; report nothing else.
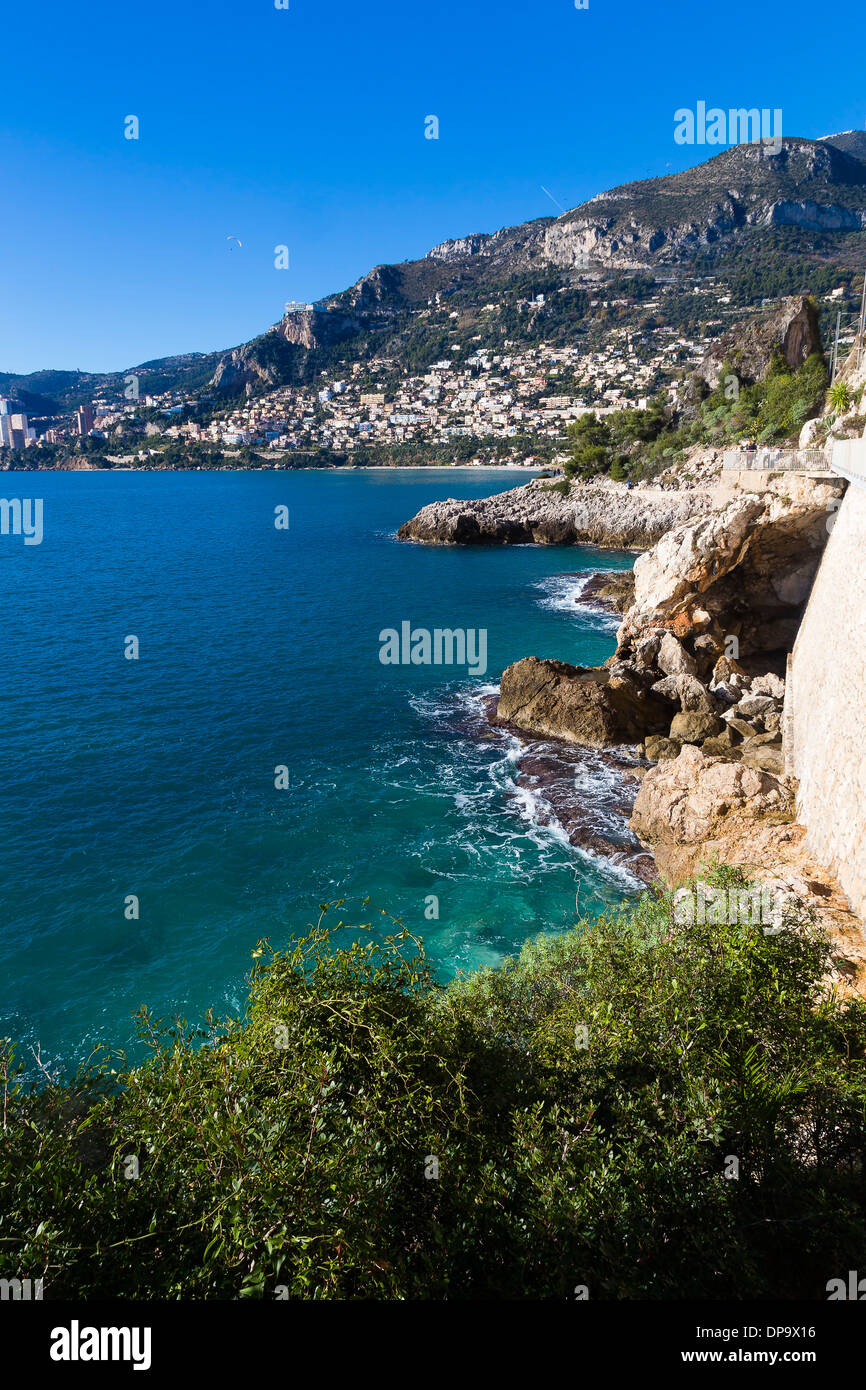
(589, 705)
(588, 792)
(613, 593)
(555, 773)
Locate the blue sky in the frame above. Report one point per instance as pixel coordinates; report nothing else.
(305, 127)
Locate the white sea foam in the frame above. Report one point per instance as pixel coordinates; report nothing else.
(481, 779)
(562, 594)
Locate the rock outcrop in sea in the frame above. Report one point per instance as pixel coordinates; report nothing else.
(701, 650)
(599, 514)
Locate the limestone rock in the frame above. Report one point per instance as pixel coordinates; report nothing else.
(688, 559)
(673, 658)
(748, 565)
(646, 649)
(687, 690)
(578, 704)
(693, 726)
(742, 726)
(767, 757)
(769, 685)
(729, 672)
(668, 689)
(722, 745)
(754, 706)
(601, 514)
(809, 434)
(694, 799)
(693, 696)
(659, 749)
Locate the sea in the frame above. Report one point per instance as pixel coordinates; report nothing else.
(201, 744)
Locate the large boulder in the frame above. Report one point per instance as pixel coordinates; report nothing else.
(673, 659)
(693, 726)
(687, 561)
(590, 705)
(693, 805)
(744, 571)
(791, 331)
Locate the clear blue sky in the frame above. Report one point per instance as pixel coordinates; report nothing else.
(305, 127)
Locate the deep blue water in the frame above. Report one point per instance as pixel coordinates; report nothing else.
(258, 648)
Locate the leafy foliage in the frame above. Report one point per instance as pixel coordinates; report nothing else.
(840, 396)
(293, 1149)
(612, 444)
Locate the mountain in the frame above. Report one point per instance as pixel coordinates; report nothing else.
(851, 141)
(768, 222)
(808, 185)
(48, 393)
(745, 226)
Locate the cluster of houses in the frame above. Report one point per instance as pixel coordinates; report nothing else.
(518, 393)
(536, 391)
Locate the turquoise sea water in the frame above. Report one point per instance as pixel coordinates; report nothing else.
(259, 648)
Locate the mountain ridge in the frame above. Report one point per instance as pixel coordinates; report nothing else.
(807, 199)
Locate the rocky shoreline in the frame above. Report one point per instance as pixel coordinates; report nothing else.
(553, 772)
(605, 515)
(691, 706)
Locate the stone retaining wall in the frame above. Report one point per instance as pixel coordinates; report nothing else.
(825, 718)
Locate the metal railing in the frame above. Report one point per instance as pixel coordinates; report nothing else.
(771, 460)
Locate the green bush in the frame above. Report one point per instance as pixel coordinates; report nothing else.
(304, 1160)
(609, 444)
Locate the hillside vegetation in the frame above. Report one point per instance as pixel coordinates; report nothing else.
(643, 443)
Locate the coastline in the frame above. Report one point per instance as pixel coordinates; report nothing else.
(671, 709)
(584, 795)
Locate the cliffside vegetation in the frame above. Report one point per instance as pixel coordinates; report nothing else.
(771, 410)
(643, 443)
(574, 1119)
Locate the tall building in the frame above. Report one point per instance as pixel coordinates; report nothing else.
(15, 432)
(84, 419)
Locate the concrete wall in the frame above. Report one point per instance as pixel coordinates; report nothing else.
(733, 482)
(825, 715)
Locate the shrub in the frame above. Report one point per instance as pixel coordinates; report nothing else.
(840, 397)
(298, 1146)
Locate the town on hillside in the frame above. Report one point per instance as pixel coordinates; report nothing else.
(472, 405)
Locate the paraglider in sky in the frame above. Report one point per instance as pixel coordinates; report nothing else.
(234, 238)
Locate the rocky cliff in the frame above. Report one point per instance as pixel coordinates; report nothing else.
(826, 710)
(791, 330)
(697, 681)
(717, 605)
